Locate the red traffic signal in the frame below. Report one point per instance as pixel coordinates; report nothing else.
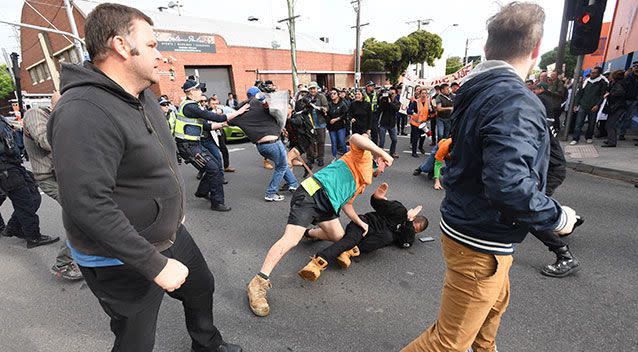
(588, 18)
(585, 19)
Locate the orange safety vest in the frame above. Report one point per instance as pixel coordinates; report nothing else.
(422, 113)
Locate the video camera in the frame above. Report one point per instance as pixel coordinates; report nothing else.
(265, 87)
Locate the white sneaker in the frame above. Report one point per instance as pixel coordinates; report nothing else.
(274, 198)
(573, 142)
(590, 141)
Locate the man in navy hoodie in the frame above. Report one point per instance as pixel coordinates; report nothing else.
(495, 184)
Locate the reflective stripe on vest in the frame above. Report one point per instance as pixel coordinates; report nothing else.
(181, 122)
(373, 103)
(422, 114)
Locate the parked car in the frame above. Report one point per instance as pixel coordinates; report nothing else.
(233, 133)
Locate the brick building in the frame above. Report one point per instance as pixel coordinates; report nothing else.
(229, 57)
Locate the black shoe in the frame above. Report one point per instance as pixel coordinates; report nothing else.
(430, 175)
(422, 150)
(6, 233)
(229, 347)
(200, 175)
(220, 207)
(415, 155)
(225, 182)
(41, 241)
(416, 172)
(565, 264)
(205, 196)
(320, 163)
(621, 138)
(608, 145)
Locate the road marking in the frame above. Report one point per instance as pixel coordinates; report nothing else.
(235, 149)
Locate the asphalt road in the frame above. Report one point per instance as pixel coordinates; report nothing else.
(380, 303)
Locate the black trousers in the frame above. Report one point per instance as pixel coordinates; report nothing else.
(402, 120)
(374, 128)
(224, 150)
(612, 126)
(132, 301)
(433, 131)
(212, 181)
(18, 184)
(415, 138)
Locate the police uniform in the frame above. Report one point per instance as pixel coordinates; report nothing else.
(374, 124)
(188, 133)
(18, 184)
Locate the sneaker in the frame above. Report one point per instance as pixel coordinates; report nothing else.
(68, 272)
(274, 198)
(292, 189)
(395, 155)
(220, 207)
(257, 289)
(344, 258)
(573, 142)
(313, 269)
(416, 172)
(42, 240)
(590, 141)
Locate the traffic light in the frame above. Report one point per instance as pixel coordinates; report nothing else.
(588, 20)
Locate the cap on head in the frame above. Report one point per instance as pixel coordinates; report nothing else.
(370, 84)
(252, 92)
(191, 84)
(162, 101)
(313, 85)
(303, 89)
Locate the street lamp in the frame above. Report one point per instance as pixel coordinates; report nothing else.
(252, 19)
(467, 43)
(448, 27)
(177, 5)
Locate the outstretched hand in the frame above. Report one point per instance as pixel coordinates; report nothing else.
(412, 213)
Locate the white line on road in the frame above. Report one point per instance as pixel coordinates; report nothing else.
(235, 149)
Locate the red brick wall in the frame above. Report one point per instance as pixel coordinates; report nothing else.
(55, 12)
(243, 61)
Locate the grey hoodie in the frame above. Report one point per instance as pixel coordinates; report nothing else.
(115, 164)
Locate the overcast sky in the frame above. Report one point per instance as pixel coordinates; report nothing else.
(333, 18)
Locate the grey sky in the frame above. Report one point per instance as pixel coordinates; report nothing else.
(333, 18)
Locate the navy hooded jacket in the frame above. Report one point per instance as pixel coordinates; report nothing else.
(495, 178)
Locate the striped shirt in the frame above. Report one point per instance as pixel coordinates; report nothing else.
(35, 130)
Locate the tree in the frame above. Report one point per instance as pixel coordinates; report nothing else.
(6, 83)
(550, 58)
(418, 46)
(453, 64)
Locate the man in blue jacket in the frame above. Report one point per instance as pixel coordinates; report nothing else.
(495, 184)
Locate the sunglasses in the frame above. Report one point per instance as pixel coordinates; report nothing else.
(164, 104)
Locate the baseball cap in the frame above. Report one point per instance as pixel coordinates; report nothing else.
(542, 85)
(252, 92)
(370, 83)
(191, 84)
(313, 85)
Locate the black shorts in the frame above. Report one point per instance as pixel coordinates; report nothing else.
(305, 211)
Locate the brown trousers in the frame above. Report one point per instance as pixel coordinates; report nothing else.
(475, 295)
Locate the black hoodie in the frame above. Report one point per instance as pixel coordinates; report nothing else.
(115, 164)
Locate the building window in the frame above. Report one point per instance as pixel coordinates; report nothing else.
(40, 70)
(34, 76)
(73, 56)
(47, 73)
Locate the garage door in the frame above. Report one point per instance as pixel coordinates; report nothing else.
(217, 79)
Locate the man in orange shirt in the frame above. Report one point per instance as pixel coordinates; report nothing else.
(418, 111)
(433, 164)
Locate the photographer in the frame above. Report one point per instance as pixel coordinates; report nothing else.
(388, 108)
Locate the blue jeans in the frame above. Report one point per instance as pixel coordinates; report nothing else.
(210, 145)
(276, 152)
(625, 122)
(393, 137)
(580, 121)
(338, 142)
(428, 164)
(443, 127)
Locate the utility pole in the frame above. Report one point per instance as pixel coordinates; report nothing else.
(356, 4)
(467, 44)
(74, 30)
(16, 75)
(572, 99)
(562, 39)
(293, 43)
(419, 22)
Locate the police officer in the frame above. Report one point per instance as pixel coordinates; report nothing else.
(19, 186)
(371, 97)
(189, 126)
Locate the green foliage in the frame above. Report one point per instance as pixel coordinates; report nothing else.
(6, 83)
(550, 57)
(419, 46)
(453, 64)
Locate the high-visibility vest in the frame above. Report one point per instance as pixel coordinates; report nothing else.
(373, 101)
(181, 122)
(422, 113)
(171, 119)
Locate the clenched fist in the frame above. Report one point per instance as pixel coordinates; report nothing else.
(172, 276)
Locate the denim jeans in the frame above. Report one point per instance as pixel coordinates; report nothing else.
(276, 152)
(393, 137)
(625, 122)
(443, 127)
(580, 121)
(338, 142)
(210, 145)
(428, 164)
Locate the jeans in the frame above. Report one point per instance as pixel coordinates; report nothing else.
(476, 292)
(132, 301)
(19, 186)
(443, 127)
(338, 142)
(276, 152)
(49, 186)
(210, 145)
(580, 121)
(428, 164)
(625, 122)
(393, 137)
(213, 180)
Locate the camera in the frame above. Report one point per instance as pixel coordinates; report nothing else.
(265, 87)
(385, 92)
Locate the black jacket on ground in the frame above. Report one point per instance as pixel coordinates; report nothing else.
(114, 157)
(360, 111)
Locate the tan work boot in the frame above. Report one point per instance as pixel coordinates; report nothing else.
(268, 165)
(313, 269)
(256, 290)
(344, 258)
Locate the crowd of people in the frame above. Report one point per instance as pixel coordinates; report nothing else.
(122, 193)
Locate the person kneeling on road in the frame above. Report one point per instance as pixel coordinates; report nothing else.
(390, 223)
